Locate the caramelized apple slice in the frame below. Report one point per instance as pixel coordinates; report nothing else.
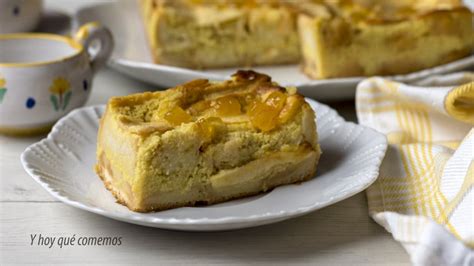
(176, 116)
(207, 127)
(264, 115)
(292, 106)
(199, 107)
(226, 106)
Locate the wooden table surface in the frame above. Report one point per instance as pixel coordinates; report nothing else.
(341, 234)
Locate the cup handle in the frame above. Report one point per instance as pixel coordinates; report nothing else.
(90, 32)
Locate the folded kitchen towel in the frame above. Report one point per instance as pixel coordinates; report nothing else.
(424, 195)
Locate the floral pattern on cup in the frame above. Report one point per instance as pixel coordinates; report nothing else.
(60, 93)
(3, 88)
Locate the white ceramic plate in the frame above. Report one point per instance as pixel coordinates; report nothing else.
(132, 57)
(63, 164)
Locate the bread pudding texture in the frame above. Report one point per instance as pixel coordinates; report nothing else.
(212, 34)
(331, 38)
(205, 142)
(372, 37)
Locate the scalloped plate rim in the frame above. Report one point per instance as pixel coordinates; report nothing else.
(173, 223)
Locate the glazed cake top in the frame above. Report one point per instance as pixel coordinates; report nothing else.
(249, 101)
(213, 12)
(379, 11)
(385, 10)
(203, 12)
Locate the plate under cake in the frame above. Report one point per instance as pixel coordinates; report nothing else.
(206, 142)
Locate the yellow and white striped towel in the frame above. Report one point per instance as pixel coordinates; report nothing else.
(424, 194)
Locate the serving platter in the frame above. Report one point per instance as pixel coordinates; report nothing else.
(63, 164)
(132, 57)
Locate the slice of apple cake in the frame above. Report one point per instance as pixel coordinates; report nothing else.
(343, 38)
(205, 142)
(215, 34)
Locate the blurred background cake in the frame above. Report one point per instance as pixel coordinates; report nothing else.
(214, 34)
(389, 37)
(330, 38)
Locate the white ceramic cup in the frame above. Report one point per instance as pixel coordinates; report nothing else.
(44, 76)
(19, 15)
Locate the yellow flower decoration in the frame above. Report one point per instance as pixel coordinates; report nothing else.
(59, 86)
(3, 90)
(60, 93)
(3, 82)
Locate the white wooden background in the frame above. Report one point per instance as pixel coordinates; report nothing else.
(341, 234)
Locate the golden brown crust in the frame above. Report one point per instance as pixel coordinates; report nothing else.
(100, 172)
